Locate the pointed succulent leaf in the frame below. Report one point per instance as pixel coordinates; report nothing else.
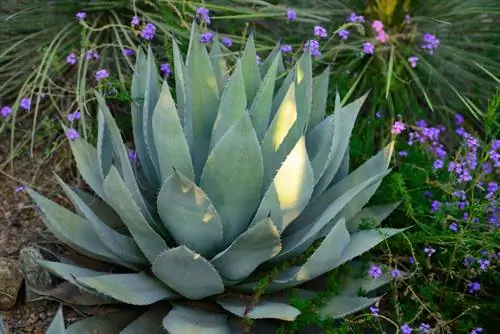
(149, 322)
(232, 177)
(343, 170)
(193, 277)
(122, 246)
(319, 147)
(105, 153)
(150, 243)
(258, 244)
(72, 229)
(180, 87)
(344, 120)
(189, 215)
(100, 209)
(281, 137)
(110, 323)
(319, 98)
(218, 63)
(203, 99)
(290, 190)
(303, 90)
(251, 72)
(57, 324)
(260, 110)
(72, 294)
(262, 310)
(377, 213)
(283, 91)
(274, 55)
(232, 105)
(340, 306)
(134, 289)
(170, 141)
(69, 272)
(190, 320)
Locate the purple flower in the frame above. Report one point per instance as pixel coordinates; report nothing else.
(128, 52)
(73, 116)
(378, 114)
(398, 127)
(313, 47)
(473, 287)
(286, 48)
(429, 250)
(477, 330)
(453, 227)
(428, 194)
(407, 19)
(202, 14)
(320, 32)
(135, 21)
(80, 16)
(435, 206)
(411, 260)
(424, 328)
(91, 54)
(406, 329)
(483, 263)
(206, 37)
(487, 168)
(101, 74)
(227, 42)
(20, 188)
(374, 310)
(459, 119)
(5, 111)
(166, 69)
(403, 153)
(353, 18)
(413, 61)
(71, 59)
(132, 155)
(378, 26)
(430, 44)
(25, 103)
(395, 273)
(343, 34)
(368, 48)
(375, 272)
(72, 134)
(468, 261)
(148, 32)
(438, 164)
(291, 14)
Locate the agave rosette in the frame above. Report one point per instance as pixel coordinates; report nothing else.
(234, 176)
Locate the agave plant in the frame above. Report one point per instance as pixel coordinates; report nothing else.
(241, 173)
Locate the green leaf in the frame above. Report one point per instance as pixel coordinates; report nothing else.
(319, 98)
(262, 310)
(303, 90)
(218, 63)
(122, 246)
(189, 216)
(100, 209)
(180, 89)
(105, 153)
(319, 145)
(189, 320)
(171, 143)
(343, 170)
(290, 190)
(232, 105)
(270, 59)
(341, 306)
(258, 244)
(134, 289)
(110, 323)
(232, 177)
(57, 324)
(73, 230)
(251, 73)
(343, 124)
(70, 272)
(194, 277)
(260, 110)
(150, 243)
(283, 91)
(202, 99)
(149, 322)
(377, 213)
(390, 72)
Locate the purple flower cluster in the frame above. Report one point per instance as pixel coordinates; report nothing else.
(312, 46)
(206, 37)
(148, 32)
(101, 75)
(353, 18)
(431, 43)
(291, 14)
(166, 70)
(5, 111)
(73, 116)
(286, 48)
(226, 41)
(202, 14)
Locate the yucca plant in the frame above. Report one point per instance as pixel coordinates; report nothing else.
(237, 177)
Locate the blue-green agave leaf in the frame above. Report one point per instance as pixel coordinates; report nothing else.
(274, 55)
(319, 147)
(232, 177)
(188, 273)
(190, 320)
(100, 209)
(170, 141)
(260, 110)
(122, 246)
(189, 215)
(150, 243)
(258, 244)
(290, 190)
(343, 170)
(203, 104)
(232, 105)
(251, 72)
(319, 98)
(262, 310)
(133, 289)
(70, 272)
(375, 213)
(303, 90)
(57, 324)
(105, 153)
(110, 323)
(218, 63)
(340, 306)
(180, 90)
(149, 322)
(283, 91)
